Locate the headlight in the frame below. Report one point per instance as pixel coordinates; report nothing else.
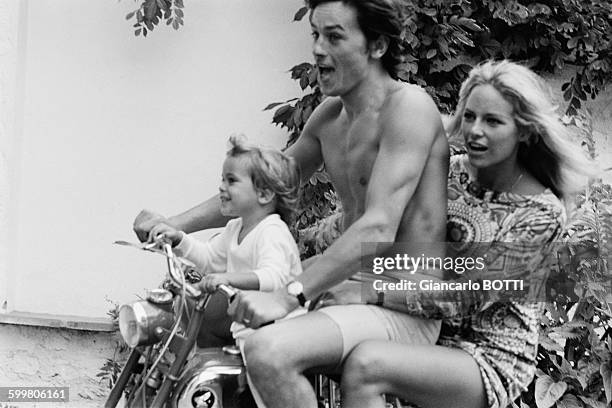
(138, 321)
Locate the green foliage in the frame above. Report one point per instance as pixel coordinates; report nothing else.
(575, 354)
(444, 39)
(151, 12)
(109, 372)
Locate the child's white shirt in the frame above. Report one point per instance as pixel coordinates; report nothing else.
(268, 250)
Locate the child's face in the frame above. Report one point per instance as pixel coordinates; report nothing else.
(237, 192)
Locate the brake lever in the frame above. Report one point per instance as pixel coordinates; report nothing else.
(153, 247)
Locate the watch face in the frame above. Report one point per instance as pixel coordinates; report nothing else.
(295, 288)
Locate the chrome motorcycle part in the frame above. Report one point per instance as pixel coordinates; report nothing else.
(154, 380)
(160, 296)
(138, 322)
(212, 377)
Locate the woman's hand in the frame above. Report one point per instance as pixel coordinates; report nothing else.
(346, 293)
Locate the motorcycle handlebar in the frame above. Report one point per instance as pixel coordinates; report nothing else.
(227, 291)
(194, 292)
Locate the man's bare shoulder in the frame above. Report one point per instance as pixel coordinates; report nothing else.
(411, 111)
(327, 111)
(410, 98)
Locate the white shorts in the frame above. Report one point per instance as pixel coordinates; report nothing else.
(358, 323)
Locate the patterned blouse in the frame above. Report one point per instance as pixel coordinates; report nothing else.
(502, 336)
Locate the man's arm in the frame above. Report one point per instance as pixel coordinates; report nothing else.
(307, 153)
(307, 148)
(410, 131)
(202, 216)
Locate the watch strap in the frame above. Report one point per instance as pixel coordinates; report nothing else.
(301, 299)
(380, 298)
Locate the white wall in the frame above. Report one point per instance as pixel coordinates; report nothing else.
(109, 123)
(10, 85)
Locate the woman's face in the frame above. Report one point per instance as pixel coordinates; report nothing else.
(489, 129)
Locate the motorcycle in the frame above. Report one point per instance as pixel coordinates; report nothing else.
(165, 369)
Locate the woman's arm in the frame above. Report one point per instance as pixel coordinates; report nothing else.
(519, 255)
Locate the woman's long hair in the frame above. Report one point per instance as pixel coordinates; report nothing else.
(547, 154)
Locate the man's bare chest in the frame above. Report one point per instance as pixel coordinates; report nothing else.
(349, 154)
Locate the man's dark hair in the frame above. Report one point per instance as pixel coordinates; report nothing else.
(376, 18)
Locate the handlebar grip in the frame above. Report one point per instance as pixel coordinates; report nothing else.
(227, 291)
(231, 294)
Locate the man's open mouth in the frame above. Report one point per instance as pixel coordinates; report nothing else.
(325, 71)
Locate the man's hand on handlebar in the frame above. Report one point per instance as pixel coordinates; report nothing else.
(163, 231)
(145, 221)
(255, 309)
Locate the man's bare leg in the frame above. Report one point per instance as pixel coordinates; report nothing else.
(278, 355)
(428, 376)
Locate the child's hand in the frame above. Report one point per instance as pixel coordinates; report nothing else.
(212, 281)
(167, 233)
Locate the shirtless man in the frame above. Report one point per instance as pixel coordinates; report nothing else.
(384, 147)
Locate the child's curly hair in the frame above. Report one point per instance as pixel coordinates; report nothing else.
(270, 169)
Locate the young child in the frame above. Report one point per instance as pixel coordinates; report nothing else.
(255, 251)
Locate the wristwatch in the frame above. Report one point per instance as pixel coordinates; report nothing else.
(296, 289)
(380, 298)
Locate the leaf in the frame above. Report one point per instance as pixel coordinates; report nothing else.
(592, 403)
(569, 401)
(547, 391)
(572, 43)
(549, 344)
(150, 8)
(273, 105)
(449, 65)
(282, 114)
(469, 24)
(130, 15)
(565, 332)
(429, 12)
(300, 14)
(606, 374)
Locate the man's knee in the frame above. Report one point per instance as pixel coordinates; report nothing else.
(361, 365)
(264, 354)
